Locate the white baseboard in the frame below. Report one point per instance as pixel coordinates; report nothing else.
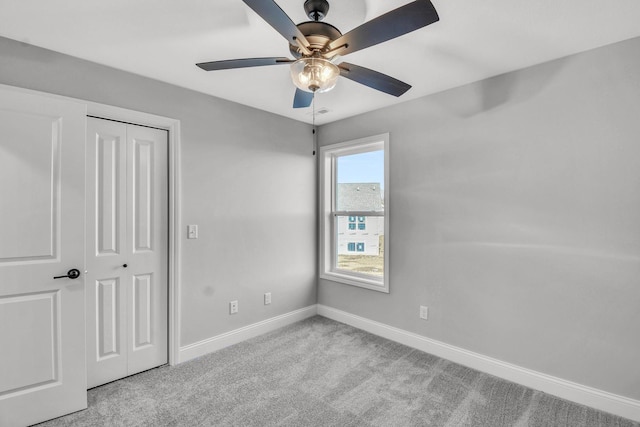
(602, 400)
(221, 341)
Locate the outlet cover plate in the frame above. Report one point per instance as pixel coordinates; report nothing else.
(424, 312)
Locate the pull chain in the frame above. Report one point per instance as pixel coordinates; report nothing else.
(313, 121)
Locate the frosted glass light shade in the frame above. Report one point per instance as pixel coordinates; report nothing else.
(314, 74)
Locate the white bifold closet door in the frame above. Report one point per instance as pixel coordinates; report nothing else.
(127, 243)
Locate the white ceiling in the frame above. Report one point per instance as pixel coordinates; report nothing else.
(163, 39)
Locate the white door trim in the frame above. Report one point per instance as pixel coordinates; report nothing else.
(175, 233)
(173, 126)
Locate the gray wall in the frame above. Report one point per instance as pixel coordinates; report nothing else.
(248, 181)
(515, 216)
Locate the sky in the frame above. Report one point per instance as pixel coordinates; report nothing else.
(363, 167)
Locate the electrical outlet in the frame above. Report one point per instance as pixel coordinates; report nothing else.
(424, 312)
(267, 298)
(233, 307)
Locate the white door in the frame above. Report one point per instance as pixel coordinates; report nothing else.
(42, 194)
(127, 249)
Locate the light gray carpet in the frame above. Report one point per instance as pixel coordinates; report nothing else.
(323, 373)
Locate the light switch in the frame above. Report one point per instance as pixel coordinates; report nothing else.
(192, 231)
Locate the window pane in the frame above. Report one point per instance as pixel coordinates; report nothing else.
(362, 250)
(359, 182)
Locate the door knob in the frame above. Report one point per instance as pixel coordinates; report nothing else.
(124, 265)
(74, 273)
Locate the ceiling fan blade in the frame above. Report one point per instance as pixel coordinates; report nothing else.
(402, 20)
(373, 79)
(242, 63)
(302, 99)
(278, 19)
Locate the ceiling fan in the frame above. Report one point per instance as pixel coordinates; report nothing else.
(318, 46)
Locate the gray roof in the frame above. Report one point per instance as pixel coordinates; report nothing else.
(363, 196)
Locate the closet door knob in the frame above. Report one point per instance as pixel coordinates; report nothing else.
(124, 265)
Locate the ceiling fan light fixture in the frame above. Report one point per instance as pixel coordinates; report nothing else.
(314, 74)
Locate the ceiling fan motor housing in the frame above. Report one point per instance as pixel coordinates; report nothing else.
(318, 34)
(316, 10)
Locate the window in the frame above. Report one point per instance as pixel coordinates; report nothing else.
(354, 187)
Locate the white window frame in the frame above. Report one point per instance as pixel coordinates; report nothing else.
(328, 213)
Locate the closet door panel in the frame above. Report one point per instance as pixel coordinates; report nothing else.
(148, 225)
(106, 251)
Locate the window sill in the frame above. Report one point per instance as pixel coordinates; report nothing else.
(362, 282)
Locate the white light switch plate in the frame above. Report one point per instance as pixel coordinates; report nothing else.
(192, 231)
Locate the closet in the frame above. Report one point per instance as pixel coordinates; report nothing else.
(126, 249)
